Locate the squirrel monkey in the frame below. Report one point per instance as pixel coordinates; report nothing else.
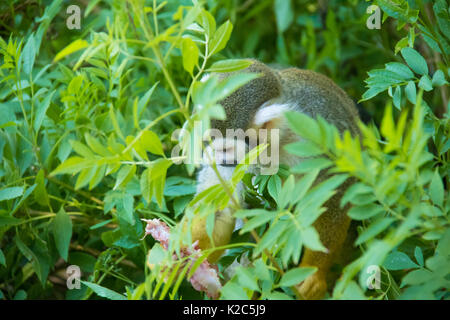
(260, 104)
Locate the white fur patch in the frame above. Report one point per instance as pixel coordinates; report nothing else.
(269, 112)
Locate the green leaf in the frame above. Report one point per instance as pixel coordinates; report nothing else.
(442, 16)
(274, 186)
(153, 180)
(425, 83)
(296, 276)
(306, 165)
(375, 228)
(411, 92)
(419, 256)
(2, 258)
(20, 295)
(104, 292)
(62, 231)
(96, 146)
(247, 279)
(260, 219)
(304, 148)
(436, 190)
(303, 185)
(26, 194)
(150, 141)
(399, 68)
(397, 98)
(81, 149)
(286, 195)
(73, 165)
(206, 20)
(304, 126)
(220, 38)
(365, 212)
(8, 221)
(11, 193)
(230, 65)
(42, 110)
(40, 195)
(415, 60)
(125, 174)
(311, 240)
(439, 79)
(233, 291)
(399, 261)
(71, 48)
(29, 54)
(39, 265)
(190, 54)
(284, 14)
(353, 292)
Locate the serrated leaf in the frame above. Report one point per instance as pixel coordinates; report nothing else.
(104, 292)
(11, 193)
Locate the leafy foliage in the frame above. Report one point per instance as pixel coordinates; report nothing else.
(87, 123)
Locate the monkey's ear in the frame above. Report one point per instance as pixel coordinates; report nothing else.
(270, 116)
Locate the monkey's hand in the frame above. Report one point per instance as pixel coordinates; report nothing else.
(314, 287)
(223, 229)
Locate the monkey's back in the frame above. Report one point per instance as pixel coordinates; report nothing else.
(315, 94)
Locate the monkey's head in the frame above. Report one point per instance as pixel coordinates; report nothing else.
(241, 106)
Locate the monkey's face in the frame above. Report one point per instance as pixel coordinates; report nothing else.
(226, 151)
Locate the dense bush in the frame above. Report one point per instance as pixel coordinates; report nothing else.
(86, 124)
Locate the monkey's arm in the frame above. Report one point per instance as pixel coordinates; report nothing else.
(332, 227)
(224, 220)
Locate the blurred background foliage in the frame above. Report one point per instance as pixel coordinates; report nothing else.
(93, 90)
